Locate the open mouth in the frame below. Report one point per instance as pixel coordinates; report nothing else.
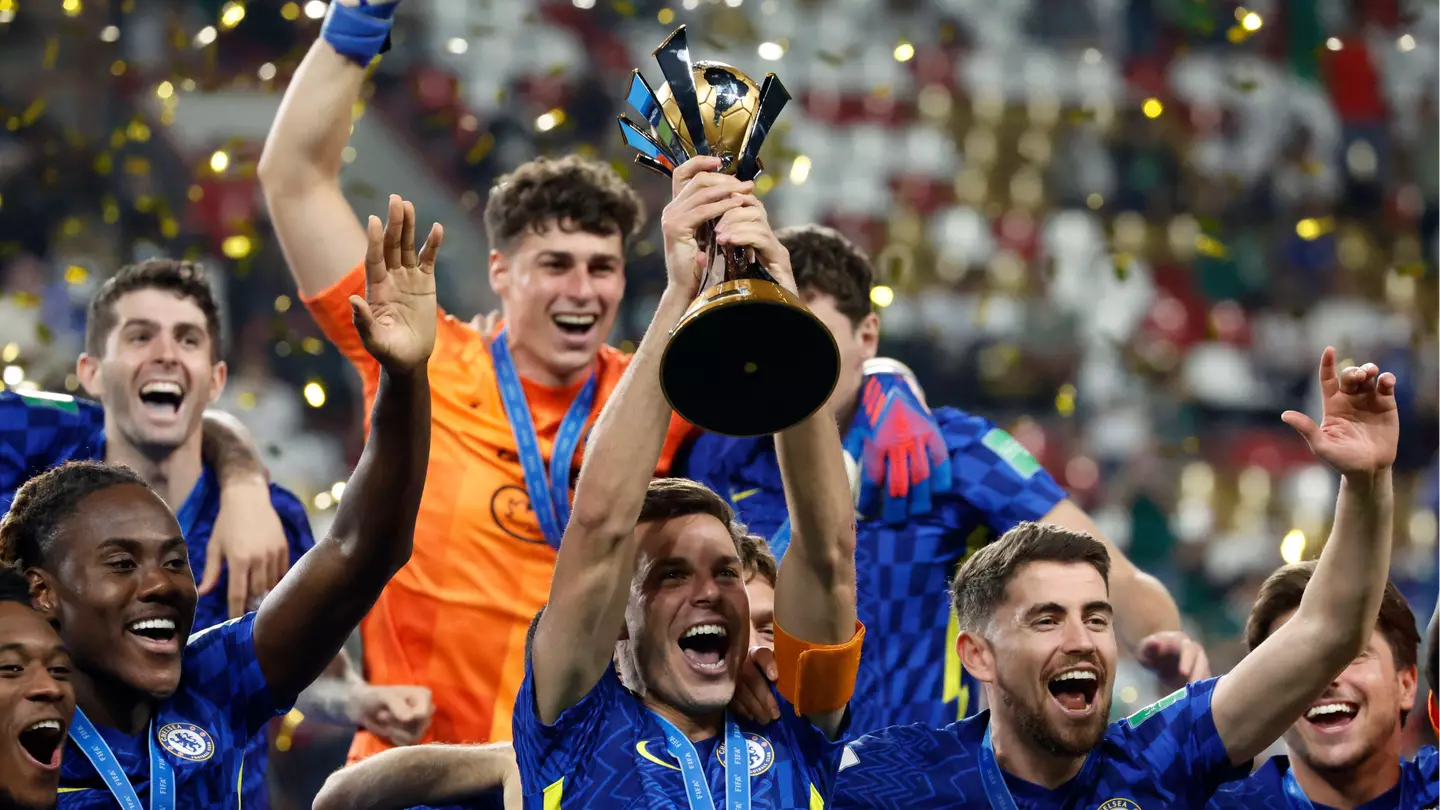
(1332, 716)
(1075, 689)
(158, 635)
(578, 325)
(163, 396)
(41, 742)
(704, 647)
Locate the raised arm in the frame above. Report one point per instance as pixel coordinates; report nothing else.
(303, 624)
(576, 636)
(423, 774)
(300, 168)
(1358, 434)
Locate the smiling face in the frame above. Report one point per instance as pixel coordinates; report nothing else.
(1048, 661)
(119, 584)
(761, 593)
(1358, 715)
(688, 618)
(37, 702)
(157, 372)
(560, 288)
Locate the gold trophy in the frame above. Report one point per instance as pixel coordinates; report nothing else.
(748, 358)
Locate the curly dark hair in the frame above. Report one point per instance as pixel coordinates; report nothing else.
(27, 534)
(13, 586)
(184, 279)
(573, 193)
(826, 262)
(979, 587)
(759, 561)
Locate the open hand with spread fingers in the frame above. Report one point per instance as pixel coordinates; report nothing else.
(396, 319)
(1359, 430)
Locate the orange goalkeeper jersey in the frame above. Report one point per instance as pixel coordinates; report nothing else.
(454, 618)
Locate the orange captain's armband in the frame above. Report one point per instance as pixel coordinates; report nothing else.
(817, 678)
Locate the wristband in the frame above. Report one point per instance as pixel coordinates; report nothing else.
(817, 678)
(359, 33)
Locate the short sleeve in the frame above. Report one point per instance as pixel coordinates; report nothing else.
(331, 310)
(1176, 742)
(295, 521)
(994, 473)
(547, 753)
(220, 666)
(821, 754)
(892, 768)
(39, 431)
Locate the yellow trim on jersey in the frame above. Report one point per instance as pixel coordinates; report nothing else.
(816, 801)
(72, 790)
(239, 781)
(554, 794)
(954, 685)
(645, 752)
(736, 497)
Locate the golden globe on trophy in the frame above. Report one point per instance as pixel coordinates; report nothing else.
(748, 358)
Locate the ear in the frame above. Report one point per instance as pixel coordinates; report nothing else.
(499, 273)
(1407, 679)
(867, 334)
(219, 373)
(87, 369)
(42, 597)
(976, 656)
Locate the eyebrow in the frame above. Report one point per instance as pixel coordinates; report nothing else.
(1097, 606)
(16, 646)
(135, 546)
(570, 257)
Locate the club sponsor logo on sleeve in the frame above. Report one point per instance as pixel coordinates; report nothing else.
(1155, 708)
(1012, 452)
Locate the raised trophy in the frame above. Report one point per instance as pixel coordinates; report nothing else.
(748, 358)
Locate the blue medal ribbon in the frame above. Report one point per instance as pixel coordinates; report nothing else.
(992, 779)
(692, 770)
(549, 496)
(162, 774)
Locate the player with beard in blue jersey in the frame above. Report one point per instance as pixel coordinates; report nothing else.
(1036, 628)
(932, 488)
(635, 657)
(1345, 750)
(167, 715)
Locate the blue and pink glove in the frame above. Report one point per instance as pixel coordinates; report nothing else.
(901, 454)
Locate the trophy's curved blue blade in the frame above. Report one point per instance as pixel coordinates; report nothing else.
(773, 98)
(643, 143)
(643, 100)
(653, 165)
(674, 58)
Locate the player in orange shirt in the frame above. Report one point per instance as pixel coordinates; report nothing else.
(454, 619)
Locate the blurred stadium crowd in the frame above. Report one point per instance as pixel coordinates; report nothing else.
(1121, 229)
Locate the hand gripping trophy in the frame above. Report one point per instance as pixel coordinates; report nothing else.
(748, 358)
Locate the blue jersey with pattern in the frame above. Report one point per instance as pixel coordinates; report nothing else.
(909, 672)
(39, 431)
(608, 750)
(1419, 786)
(1167, 755)
(222, 703)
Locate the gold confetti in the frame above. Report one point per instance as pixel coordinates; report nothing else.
(246, 400)
(482, 147)
(312, 345)
(72, 383)
(665, 16)
(231, 14)
(625, 8)
(169, 228)
(904, 52)
(282, 303)
(1152, 108)
(75, 274)
(1065, 400)
(237, 246)
(1207, 245)
(137, 166)
(12, 351)
(52, 52)
(117, 68)
(72, 8)
(314, 393)
(144, 203)
(71, 227)
(290, 11)
(195, 193)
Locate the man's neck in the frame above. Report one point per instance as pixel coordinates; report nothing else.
(110, 703)
(1349, 788)
(171, 472)
(694, 728)
(845, 412)
(532, 368)
(1022, 758)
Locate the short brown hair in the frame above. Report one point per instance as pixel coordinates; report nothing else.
(824, 261)
(979, 587)
(571, 193)
(755, 555)
(184, 279)
(1282, 591)
(668, 498)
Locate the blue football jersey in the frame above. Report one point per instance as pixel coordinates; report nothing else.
(1167, 755)
(39, 431)
(909, 670)
(1419, 787)
(608, 750)
(202, 730)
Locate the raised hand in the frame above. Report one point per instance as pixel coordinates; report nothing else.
(748, 226)
(1174, 658)
(903, 457)
(700, 195)
(396, 318)
(1359, 430)
(753, 698)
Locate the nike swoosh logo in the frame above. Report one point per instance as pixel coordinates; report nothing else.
(736, 497)
(645, 752)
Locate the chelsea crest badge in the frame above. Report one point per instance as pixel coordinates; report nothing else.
(186, 741)
(762, 754)
(1119, 804)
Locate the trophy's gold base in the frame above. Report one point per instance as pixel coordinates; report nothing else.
(748, 359)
